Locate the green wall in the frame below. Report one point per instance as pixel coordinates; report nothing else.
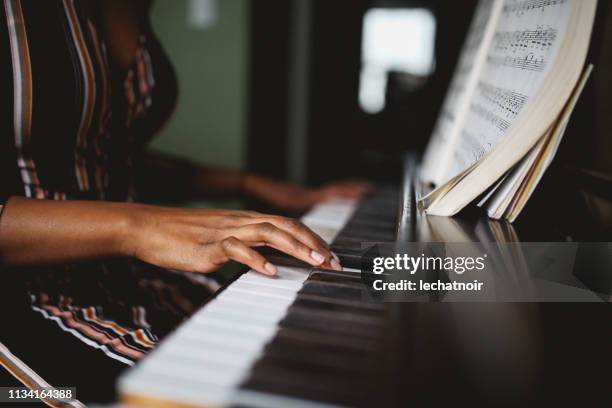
(211, 64)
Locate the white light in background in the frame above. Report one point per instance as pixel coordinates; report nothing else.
(401, 40)
(202, 14)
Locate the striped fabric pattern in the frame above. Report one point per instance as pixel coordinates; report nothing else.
(130, 302)
(22, 96)
(71, 125)
(76, 120)
(88, 324)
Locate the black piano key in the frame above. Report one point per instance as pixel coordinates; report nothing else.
(321, 275)
(350, 261)
(331, 335)
(325, 341)
(348, 246)
(338, 306)
(307, 386)
(347, 278)
(381, 224)
(342, 325)
(337, 291)
(365, 235)
(342, 363)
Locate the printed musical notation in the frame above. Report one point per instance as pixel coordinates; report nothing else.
(498, 106)
(521, 47)
(529, 62)
(471, 150)
(506, 102)
(524, 49)
(540, 39)
(490, 116)
(520, 7)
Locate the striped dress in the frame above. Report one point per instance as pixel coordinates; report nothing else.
(74, 126)
(72, 123)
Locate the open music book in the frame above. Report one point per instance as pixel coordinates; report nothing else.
(517, 82)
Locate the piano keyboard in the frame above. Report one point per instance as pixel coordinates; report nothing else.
(302, 338)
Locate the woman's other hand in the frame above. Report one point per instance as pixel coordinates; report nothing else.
(350, 190)
(292, 197)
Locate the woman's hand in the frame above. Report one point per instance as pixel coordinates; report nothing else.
(42, 232)
(292, 197)
(204, 240)
(350, 190)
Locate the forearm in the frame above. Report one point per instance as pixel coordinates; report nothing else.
(42, 232)
(37, 232)
(161, 177)
(219, 181)
(277, 193)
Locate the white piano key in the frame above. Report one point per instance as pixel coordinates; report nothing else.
(221, 324)
(328, 234)
(215, 363)
(199, 335)
(254, 297)
(251, 325)
(236, 308)
(284, 273)
(265, 293)
(333, 214)
(205, 359)
(266, 290)
(194, 345)
(194, 342)
(292, 274)
(241, 302)
(270, 281)
(251, 314)
(189, 391)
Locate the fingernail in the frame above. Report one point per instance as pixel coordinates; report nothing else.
(335, 257)
(319, 259)
(271, 269)
(336, 265)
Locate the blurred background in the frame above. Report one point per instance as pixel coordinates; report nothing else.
(307, 90)
(314, 90)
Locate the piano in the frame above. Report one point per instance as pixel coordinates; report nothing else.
(309, 337)
(302, 338)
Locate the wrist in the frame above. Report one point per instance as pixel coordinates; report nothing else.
(243, 183)
(128, 228)
(246, 183)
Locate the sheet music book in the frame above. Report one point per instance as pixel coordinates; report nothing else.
(518, 79)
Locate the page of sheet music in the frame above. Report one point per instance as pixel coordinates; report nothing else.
(524, 48)
(460, 90)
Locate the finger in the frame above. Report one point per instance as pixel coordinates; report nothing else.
(301, 232)
(233, 249)
(283, 241)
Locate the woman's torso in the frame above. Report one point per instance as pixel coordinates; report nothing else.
(72, 120)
